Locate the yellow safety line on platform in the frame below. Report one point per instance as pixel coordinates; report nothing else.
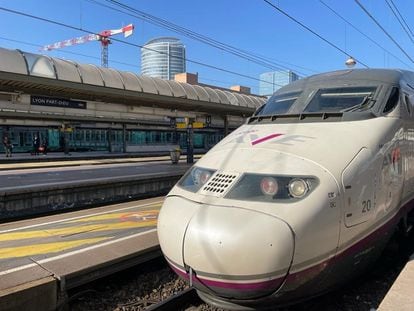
(136, 215)
(62, 232)
(36, 249)
(67, 220)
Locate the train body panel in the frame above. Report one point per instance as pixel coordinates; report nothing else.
(293, 203)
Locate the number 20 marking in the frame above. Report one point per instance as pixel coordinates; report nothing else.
(366, 206)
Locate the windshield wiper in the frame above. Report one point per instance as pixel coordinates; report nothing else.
(363, 104)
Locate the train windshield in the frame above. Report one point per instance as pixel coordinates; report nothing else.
(335, 99)
(280, 103)
(341, 99)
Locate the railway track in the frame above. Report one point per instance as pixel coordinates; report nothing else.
(153, 286)
(137, 288)
(180, 301)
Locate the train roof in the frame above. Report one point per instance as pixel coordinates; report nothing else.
(388, 76)
(301, 101)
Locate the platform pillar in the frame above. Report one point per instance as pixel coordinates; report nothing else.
(190, 149)
(226, 125)
(124, 142)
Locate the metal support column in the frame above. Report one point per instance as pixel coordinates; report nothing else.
(109, 139)
(190, 150)
(65, 141)
(124, 142)
(226, 125)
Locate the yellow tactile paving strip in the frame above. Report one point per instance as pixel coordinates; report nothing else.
(64, 232)
(147, 215)
(76, 232)
(30, 250)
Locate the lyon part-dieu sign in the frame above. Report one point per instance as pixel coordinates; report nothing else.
(57, 102)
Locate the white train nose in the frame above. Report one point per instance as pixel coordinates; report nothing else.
(237, 253)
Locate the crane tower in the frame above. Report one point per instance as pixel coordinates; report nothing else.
(103, 37)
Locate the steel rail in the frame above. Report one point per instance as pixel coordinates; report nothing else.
(176, 302)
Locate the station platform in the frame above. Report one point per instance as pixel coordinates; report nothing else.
(42, 258)
(28, 163)
(400, 296)
(28, 189)
(86, 155)
(54, 159)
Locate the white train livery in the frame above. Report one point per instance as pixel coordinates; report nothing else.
(300, 198)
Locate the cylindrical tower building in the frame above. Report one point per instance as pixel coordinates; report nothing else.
(163, 58)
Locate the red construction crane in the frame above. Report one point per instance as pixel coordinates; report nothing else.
(103, 36)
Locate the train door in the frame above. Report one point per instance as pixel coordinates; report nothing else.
(360, 180)
(391, 184)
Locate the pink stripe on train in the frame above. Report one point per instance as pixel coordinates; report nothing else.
(263, 139)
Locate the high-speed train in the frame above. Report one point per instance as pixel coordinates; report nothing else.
(300, 198)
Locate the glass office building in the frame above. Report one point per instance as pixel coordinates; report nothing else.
(163, 58)
(270, 82)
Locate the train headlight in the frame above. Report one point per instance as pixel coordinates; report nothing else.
(298, 188)
(269, 186)
(201, 176)
(195, 178)
(272, 188)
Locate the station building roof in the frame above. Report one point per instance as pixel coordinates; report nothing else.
(43, 75)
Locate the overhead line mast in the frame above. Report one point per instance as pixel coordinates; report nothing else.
(103, 37)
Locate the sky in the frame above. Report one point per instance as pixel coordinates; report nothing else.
(250, 25)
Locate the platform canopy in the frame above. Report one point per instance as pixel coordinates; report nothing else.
(43, 75)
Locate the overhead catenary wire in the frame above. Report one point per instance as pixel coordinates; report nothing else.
(260, 60)
(66, 52)
(95, 57)
(398, 18)
(402, 18)
(314, 32)
(365, 35)
(383, 29)
(208, 40)
(135, 45)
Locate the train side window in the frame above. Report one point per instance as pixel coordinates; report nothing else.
(392, 100)
(258, 110)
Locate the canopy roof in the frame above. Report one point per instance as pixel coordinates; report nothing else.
(40, 74)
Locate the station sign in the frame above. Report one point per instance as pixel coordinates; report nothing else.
(66, 128)
(181, 125)
(173, 122)
(194, 125)
(198, 125)
(208, 121)
(181, 120)
(57, 102)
